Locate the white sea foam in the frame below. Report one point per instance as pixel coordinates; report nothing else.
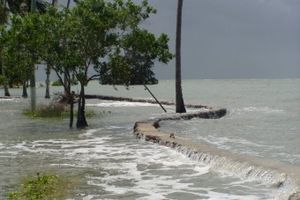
(7, 99)
(153, 171)
(283, 184)
(89, 133)
(121, 104)
(226, 143)
(264, 109)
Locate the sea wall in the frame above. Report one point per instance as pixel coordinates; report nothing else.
(113, 98)
(283, 176)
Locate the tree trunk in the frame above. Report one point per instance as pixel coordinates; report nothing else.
(47, 82)
(71, 109)
(180, 108)
(54, 2)
(5, 84)
(68, 4)
(6, 91)
(67, 82)
(32, 78)
(24, 93)
(32, 90)
(81, 120)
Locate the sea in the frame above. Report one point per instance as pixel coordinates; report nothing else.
(107, 161)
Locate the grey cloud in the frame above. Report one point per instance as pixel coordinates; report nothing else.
(234, 38)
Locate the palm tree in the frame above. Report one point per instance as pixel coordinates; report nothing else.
(180, 108)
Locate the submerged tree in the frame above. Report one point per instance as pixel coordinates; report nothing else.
(96, 40)
(108, 29)
(180, 108)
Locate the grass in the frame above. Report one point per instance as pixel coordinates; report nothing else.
(59, 83)
(53, 110)
(58, 111)
(46, 186)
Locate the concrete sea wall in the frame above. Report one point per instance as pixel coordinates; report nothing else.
(283, 176)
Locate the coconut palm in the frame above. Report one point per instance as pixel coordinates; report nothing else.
(180, 108)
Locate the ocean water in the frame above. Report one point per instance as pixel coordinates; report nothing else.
(110, 163)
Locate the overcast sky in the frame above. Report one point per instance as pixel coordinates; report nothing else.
(232, 38)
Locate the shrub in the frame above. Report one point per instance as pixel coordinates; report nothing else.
(59, 83)
(56, 110)
(42, 187)
(53, 110)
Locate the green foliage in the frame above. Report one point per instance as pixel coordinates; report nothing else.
(20, 48)
(59, 83)
(57, 111)
(52, 110)
(95, 40)
(2, 80)
(3, 12)
(42, 187)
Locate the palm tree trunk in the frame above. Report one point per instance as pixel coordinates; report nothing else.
(54, 2)
(68, 4)
(47, 82)
(81, 119)
(180, 108)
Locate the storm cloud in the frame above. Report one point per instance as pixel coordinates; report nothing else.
(231, 38)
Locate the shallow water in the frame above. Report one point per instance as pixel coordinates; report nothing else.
(110, 163)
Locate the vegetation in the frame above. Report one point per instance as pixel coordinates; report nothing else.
(59, 83)
(96, 40)
(44, 186)
(56, 110)
(53, 110)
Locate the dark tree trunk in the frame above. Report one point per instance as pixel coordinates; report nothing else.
(180, 108)
(32, 90)
(6, 91)
(71, 109)
(5, 84)
(24, 93)
(47, 82)
(81, 120)
(67, 82)
(68, 4)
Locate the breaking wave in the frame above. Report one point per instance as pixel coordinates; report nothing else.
(265, 109)
(121, 104)
(284, 184)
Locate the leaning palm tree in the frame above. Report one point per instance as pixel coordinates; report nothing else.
(180, 108)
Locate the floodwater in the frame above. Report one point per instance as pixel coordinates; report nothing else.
(108, 162)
